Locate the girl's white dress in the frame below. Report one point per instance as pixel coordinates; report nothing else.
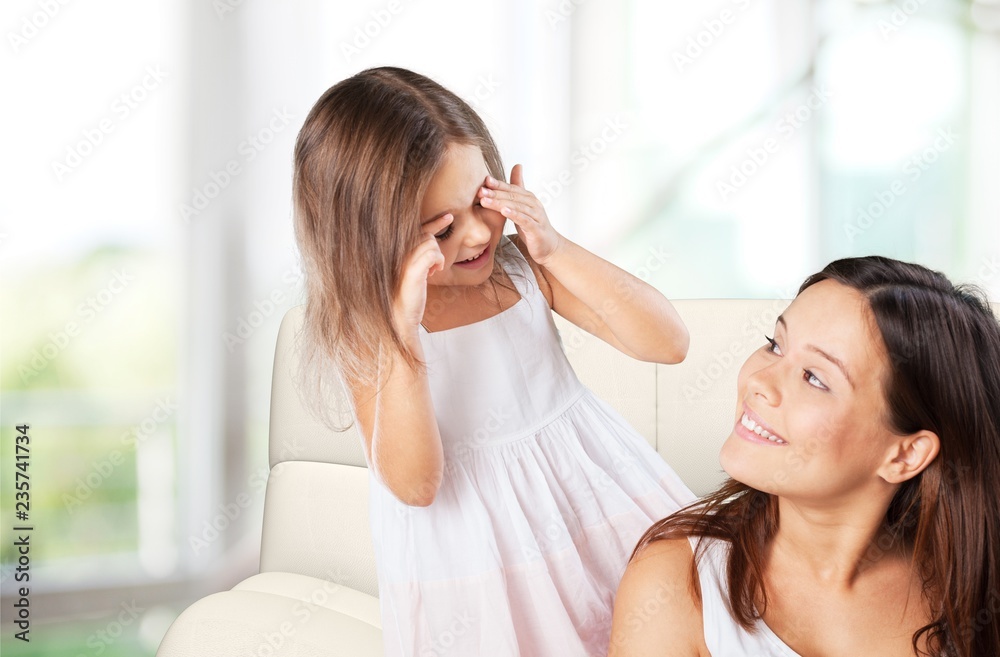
(546, 491)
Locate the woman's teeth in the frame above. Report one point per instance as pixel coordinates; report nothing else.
(757, 429)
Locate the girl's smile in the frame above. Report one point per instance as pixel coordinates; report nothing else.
(477, 261)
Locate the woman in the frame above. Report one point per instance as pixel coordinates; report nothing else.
(861, 517)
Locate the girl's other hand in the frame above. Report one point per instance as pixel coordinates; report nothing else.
(423, 261)
(522, 207)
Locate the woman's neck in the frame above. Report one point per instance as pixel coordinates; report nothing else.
(834, 545)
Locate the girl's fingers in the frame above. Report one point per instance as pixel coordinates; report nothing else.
(516, 180)
(426, 258)
(499, 185)
(511, 200)
(431, 248)
(437, 224)
(515, 215)
(496, 198)
(517, 175)
(505, 193)
(512, 209)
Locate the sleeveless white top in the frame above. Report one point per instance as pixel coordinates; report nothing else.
(546, 491)
(723, 635)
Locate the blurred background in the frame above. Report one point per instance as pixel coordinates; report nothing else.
(715, 149)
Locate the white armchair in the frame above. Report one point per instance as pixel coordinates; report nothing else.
(316, 593)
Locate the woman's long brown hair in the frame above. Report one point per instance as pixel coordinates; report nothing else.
(363, 161)
(943, 344)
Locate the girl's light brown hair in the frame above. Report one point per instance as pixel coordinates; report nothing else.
(363, 161)
(943, 344)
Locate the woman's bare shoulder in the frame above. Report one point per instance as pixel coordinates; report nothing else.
(657, 607)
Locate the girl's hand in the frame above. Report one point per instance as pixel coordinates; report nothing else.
(523, 208)
(423, 261)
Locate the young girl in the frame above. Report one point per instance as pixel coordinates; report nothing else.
(505, 498)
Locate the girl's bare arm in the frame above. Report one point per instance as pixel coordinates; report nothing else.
(602, 299)
(402, 441)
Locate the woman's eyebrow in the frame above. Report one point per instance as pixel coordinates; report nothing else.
(833, 359)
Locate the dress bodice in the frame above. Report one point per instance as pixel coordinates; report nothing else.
(525, 388)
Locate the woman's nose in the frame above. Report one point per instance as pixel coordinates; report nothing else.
(763, 383)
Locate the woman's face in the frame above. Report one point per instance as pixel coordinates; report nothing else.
(816, 396)
(474, 230)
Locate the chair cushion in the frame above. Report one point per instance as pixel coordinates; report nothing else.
(278, 613)
(319, 592)
(316, 524)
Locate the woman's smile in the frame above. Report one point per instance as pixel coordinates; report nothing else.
(750, 427)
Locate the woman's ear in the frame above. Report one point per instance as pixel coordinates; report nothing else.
(909, 456)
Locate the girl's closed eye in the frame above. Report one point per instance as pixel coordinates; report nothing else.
(446, 233)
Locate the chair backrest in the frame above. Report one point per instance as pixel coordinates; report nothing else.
(316, 509)
(316, 505)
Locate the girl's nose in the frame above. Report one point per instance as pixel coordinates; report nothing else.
(477, 232)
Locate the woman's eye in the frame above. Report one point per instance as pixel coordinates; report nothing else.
(444, 234)
(808, 376)
(812, 380)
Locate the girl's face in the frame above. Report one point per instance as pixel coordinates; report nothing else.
(817, 389)
(469, 242)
